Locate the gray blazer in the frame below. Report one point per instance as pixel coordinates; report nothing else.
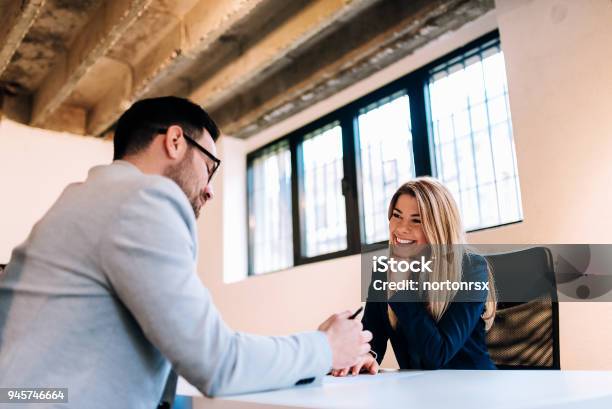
(103, 298)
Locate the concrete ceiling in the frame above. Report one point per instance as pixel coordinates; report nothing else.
(76, 65)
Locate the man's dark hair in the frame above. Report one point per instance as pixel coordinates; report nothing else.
(139, 125)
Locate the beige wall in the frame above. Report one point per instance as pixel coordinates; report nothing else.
(559, 65)
(35, 166)
(558, 62)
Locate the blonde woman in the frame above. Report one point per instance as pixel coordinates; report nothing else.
(445, 330)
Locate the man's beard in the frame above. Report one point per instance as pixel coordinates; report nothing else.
(183, 176)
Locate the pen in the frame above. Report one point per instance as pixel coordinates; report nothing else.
(352, 317)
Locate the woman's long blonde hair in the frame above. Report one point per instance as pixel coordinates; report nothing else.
(441, 223)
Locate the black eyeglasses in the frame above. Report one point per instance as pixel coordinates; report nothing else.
(216, 161)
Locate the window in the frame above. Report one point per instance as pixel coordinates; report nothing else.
(323, 190)
(472, 136)
(385, 150)
(322, 207)
(269, 202)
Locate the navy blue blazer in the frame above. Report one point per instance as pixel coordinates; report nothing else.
(457, 341)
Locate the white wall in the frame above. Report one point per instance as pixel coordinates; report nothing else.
(558, 62)
(35, 166)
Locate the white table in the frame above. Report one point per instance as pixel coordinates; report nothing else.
(438, 389)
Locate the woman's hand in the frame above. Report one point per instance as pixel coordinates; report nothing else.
(366, 364)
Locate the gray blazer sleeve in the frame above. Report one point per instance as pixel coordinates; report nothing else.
(148, 255)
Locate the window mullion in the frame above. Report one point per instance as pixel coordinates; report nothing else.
(416, 84)
(295, 199)
(349, 183)
(250, 235)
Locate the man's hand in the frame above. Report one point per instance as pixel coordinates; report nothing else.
(348, 341)
(367, 364)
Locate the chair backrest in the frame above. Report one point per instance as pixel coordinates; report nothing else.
(525, 334)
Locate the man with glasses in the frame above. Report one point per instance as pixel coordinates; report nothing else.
(103, 297)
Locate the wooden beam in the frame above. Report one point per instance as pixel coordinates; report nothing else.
(191, 36)
(116, 99)
(15, 107)
(275, 48)
(343, 58)
(15, 21)
(67, 118)
(92, 43)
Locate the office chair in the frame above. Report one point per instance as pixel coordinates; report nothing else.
(525, 334)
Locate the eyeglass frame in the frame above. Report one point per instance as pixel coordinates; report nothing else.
(216, 161)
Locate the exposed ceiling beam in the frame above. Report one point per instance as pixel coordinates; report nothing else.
(15, 107)
(115, 100)
(94, 41)
(15, 22)
(69, 119)
(346, 56)
(200, 28)
(275, 48)
(251, 63)
(191, 37)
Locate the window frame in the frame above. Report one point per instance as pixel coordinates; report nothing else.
(262, 151)
(414, 84)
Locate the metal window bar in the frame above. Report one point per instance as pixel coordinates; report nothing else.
(425, 127)
(381, 173)
(321, 206)
(269, 212)
(490, 129)
(446, 69)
